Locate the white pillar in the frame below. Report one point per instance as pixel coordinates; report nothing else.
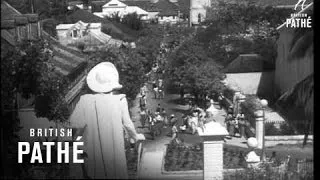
(213, 160)
(259, 127)
(212, 136)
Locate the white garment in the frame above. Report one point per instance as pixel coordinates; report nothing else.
(252, 157)
(194, 120)
(212, 110)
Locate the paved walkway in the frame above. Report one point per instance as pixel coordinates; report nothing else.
(153, 150)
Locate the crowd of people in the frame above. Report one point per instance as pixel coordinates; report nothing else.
(195, 118)
(237, 124)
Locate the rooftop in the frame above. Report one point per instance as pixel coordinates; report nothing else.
(245, 63)
(68, 26)
(65, 59)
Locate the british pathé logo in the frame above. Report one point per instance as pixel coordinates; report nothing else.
(302, 2)
(299, 20)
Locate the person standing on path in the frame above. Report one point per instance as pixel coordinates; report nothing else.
(155, 91)
(242, 125)
(143, 102)
(158, 109)
(230, 122)
(143, 117)
(102, 116)
(165, 117)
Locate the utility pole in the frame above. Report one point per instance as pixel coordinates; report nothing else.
(32, 8)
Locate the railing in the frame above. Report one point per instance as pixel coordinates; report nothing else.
(302, 170)
(305, 166)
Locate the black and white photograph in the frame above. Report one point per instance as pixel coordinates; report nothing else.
(157, 89)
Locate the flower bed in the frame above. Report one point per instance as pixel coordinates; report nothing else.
(186, 158)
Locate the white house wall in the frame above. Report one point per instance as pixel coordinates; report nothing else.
(251, 83)
(194, 14)
(198, 7)
(64, 35)
(168, 19)
(152, 15)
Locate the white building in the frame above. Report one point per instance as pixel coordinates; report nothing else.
(114, 6)
(198, 10)
(162, 11)
(70, 33)
(88, 34)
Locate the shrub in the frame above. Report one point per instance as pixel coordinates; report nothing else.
(248, 107)
(286, 129)
(228, 93)
(271, 130)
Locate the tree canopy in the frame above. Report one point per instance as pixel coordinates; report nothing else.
(27, 70)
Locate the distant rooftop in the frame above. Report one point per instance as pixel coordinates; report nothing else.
(246, 63)
(68, 26)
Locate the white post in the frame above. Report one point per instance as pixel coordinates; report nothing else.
(213, 159)
(259, 128)
(212, 136)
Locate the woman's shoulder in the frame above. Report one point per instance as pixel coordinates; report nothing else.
(87, 97)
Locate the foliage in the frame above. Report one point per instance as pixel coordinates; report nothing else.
(114, 17)
(133, 20)
(191, 66)
(130, 66)
(31, 74)
(251, 105)
(148, 44)
(56, 9)
(176, 34)
(243, 28)
(271, 130)
(267, 173)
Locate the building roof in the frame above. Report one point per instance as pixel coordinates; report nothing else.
(102, 37)
(145, 5)
(245, 63)
(87, 17)
(7, 11)
(64, 58)
(138, 10)
(96, 6)
(73, 3)
(68, 26)
(165, 7)
(184, 6)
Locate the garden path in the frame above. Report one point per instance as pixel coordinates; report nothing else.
(153, 150)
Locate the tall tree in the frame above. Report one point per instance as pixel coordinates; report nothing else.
(302, 94)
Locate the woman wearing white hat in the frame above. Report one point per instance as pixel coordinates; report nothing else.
(104, 114)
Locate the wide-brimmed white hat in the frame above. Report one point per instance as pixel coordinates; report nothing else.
(104, 77)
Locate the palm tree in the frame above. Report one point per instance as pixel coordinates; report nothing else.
(302, 93)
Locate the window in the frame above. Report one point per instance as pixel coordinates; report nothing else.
(173, 17)
(161, 17)
(75, 33)
(199, 18)
(113, 4)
